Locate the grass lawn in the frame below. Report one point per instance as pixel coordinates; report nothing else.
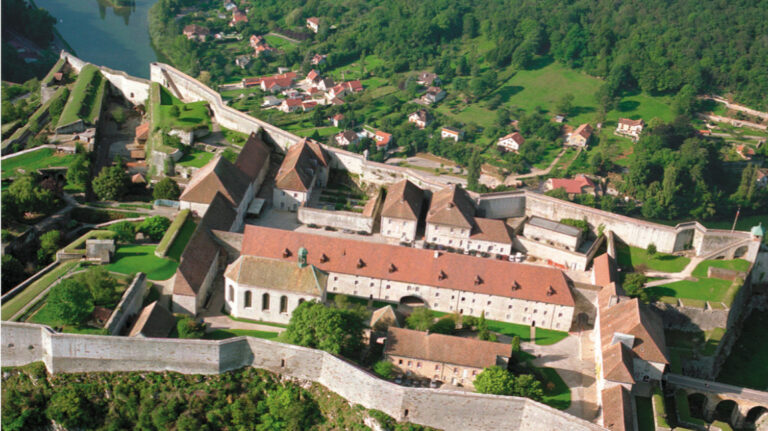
(42, 158)
(645, 421)
(191, 115)
(180, 243)
(557, 394)
(629, 256)
(323, 131)
(240, 319)
(18, 302)
(221, 334)
(278, 42)
(705, 289)
(130, 259)
(195, 158)
(551, 152)
(544, 337)
(81, 103)
(745, 366)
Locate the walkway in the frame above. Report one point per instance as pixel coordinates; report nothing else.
(753, 395)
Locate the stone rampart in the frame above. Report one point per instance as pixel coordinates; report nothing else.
(337, 219)
(449, 410)
(134, 89)
(129, 304)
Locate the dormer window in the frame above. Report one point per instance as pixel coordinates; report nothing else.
(442, 275)
(551, 291)
(478, 280)
(323, 258)
(392, 268)
(515, 286)
(360, 263)
(286, 253)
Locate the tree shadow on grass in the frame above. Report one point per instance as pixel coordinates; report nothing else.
(507, 91)
(541, 62)
(628, 105)
(578, 110)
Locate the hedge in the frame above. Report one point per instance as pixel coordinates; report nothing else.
(79, 244)
(171, 233)
(96, 216)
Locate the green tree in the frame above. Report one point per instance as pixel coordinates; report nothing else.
(154, 227)
(124, 231)
(420, 319)
(49, 245)
(289, 408)
(111, 183)
(526, 385)
(384, 369)
(70, 408)
(473, 171)
(634, 284)
(564, 104)
(496, 381)
(174, 111)
(516, 349)
(12, 271)
(651, 249)
(101, 284)
(79, 172)
(188, 327)
(445, 325)
(70, 302)
(331, 329)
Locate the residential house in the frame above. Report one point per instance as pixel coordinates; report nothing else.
(433, 95)
(580, 184)
(401, 211)
(277, 83)
(142, 133)
(313, 24)
(337, 120)
(382, 139)
(553, 233)
(291, 105)
(745, 152)
(196, 32)
(444, 358)
(346, 138)
(270, 101)
(304, 168)
(428, 79)
(313, 78)
(580, 137)
(511, 142)
(451, 133)
(257, 40)
(251, 82)
(229, 6)
(308, 105)
(325, 84)
(262, 50)
(238, 16)
(421, 118)
(762, 177)
(318, 59)
(631, 128)
(242, 61)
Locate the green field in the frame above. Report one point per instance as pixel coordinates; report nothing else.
(324, 132)
(180, 243)
(130, 259)
(32, 161)
(170, 233)
(277, 42)
(84, 104)
(195, 158)
(191, 115)
(705, 289)
(15, 304)
(634, 257)
(559, 396)
(745, 366)
(221, 334)
(544, 337)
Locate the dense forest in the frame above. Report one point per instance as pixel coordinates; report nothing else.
(246, 399)
(655, 46)
(21, 18)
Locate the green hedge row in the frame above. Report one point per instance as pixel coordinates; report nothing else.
(171, 233)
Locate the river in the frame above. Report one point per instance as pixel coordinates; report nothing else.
(104, 35)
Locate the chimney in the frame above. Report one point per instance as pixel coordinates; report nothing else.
(437, 254)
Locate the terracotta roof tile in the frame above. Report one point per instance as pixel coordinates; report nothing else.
(277, 274)
(603, 270)
(218, 176)
(617, 409)
(154, 321)
(404, 201)
(451, 206)
(462, 351)
(631, 123)
(585, 131)
(491, 230)
(253, 156)
(142, 131)
(302, 160)
(575, 185)
(413, 265)
(633, 318)
(617, 363)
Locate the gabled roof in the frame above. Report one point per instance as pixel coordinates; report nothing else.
(154, 321)
(386, 315)
(633, 318)
(313, 75)
(603, 270)
(302, 160)
(412, 265)
(355, 85)
(314, 20)
(515, 136)
(349, 135)
(421, 115)
(617, 363)
(451, 206)
(382, 138)
(142, 131)
(448, 349)
(585, 131)
(253, 156)
(574, 185)
(451, 130)
(218, 176)
(631, 123)
(617, 409)
(434, 90)
(491, 230)
(404, 201)
(276, 274)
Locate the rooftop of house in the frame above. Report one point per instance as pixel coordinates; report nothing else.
(253, 157)
(617, 363)
(421, 115)
(404, 201)
(314, 20)
(467, 352)
(217, 176)
(386, 315)
(349, 135)
(154, 321)
(515, 136)
(412, 265)
(451, 130)
(631, 123)
(617, 409)
(585, 131)
(277, 274)
(554, 226)
(452, 206)
(142, 131)
(301, 162)
(196, 30)
(630, 317)
(572, 185)
(491, 230)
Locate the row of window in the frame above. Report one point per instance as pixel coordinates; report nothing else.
(437, 367)
(248, 300)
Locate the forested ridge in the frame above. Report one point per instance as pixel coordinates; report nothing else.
(656, 46)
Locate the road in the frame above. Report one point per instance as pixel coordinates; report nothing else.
(718, 388)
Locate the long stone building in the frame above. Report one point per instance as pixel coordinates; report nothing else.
(447, 282)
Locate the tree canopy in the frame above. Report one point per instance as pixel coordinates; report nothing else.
(335, 330)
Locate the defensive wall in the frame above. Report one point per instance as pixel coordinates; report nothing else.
(449, 410)
(129, 305)
(132, 88)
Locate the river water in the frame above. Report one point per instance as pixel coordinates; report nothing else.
(104, 35)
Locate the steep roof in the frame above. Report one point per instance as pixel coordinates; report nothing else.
(617, 363)
(302, 160)
(603, 270)
(142, 131)
(154, 321)
(404, 201)
(451, 206)
(253, 156)
(617, 409)
(277, 274)
(633, 318)
(574, 185)
(385, 315)
(467, 352)
(218, 176)
(517, 137)
(412, 265)
(421, 115)
(585, 131)
(492, 230)
(631, 123)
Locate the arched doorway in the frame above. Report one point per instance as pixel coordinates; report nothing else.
(724, 410)
(741, 251)
(755, 415)
(413, 301)
(696, 404)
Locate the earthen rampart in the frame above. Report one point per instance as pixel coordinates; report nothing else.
(449, 410)
(134, 89)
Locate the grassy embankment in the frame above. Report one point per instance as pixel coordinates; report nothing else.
(86, 97)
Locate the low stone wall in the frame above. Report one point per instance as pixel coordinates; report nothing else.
(725, 274)
(129, 306)
(336, 219)
(449, 410)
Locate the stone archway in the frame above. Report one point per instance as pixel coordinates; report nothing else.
(740, 252)
(413, 301)
(725, 411)
(697, 404)
(756, 415)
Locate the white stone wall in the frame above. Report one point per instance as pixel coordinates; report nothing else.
(194, 304)
(135, 90)
(551, 237)
(448, 236)
(194, 207)
(569, 259)
(129, 305)
(236, 301)
(288, 200)
(399, 229)
(490, 247)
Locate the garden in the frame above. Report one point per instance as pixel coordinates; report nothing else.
(343, 193)
(703, 288)
(640, 259)
(34, 160)
(168, 112)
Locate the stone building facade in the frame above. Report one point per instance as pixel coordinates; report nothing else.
(304, 168)
(401, 211)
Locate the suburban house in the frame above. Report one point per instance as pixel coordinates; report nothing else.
(421, 118)
(318, 59)
(383, 139)
(270, 101)
(631, 128)
(277, 83)
(580, 184)
(447, 282)
(346, 138)
(196, 32)
(444, 358)
(433, 95)
(428, 79)
(304, 167)
(745, 152)
(337, 119)
(291, 105)
(256, 40)
(325, 84)
(511, 142)
(580, 136)
(229, 6)
(451, 133)
(401, 211)
(238, 16)
(313, 24)
(344, 88)
(313, 78)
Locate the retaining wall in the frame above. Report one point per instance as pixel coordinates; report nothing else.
(449, 410)
(129, 305)
(134, 89)
(336, 219)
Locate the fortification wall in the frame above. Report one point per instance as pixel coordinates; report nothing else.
(502, 205)
(24, 343)
(129, 304)
(134, 89)
(337, 219)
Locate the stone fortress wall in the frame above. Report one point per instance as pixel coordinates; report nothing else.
(23, 343)
(134, 89)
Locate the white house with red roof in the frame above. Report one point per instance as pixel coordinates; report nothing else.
(318, 59)
(420, 118)
(337, 119)
(238, 16)
(631, 128)
(511, 142)
(313, 24)
(451, 133)
(580, 137)
(580, 184)
(291, 105)
(346, 138)
(433, 95)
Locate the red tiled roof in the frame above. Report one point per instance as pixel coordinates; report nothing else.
(451, 130)
(433, 347)
(299, 166)
(633, 318)
(313, 20)
(312, 75)
(142, 131)
(451, 206)
(404, 201)
(218, 176)
(617, 409)
(413, 265)
(515, 136)
(253, 156)
(603, 270)
(631, 123)
(383, 138)
(617, 363)
(486, 229)
(355, 85)
(574, 185)
(585, 131)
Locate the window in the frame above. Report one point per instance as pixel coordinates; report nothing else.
(545, 312)
(437, 294)
(356, 281)
(388, 286)
(560, 315)
(437, 367)
(435, 304)
(455, 371)
(335, 278)
(410, 363)
(509, 307)
(526, 309)
(231, 293)
(474, 372)
(400, 362)
(371, 284)
(408, 288)
(463, 298)
(283, 304)
(489, 302)
(265, 301)
(535, 311)
(295, 195)
(418, 364)
(247, 299)
(386, 297)
(416, 288)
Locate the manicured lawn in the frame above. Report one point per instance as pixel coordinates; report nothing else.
(557, 395)
(629, 256)
(240, 319)
(42, 158)
(221, 334)
(180, 243)
(191, 115)
(746, 365)
(705, 289)
(195, 158)
(645, 420)
(78, 97)
(130, 259)
(546, 337)
(323, 131)
(543, 336)
(734, 265)
(18, 302)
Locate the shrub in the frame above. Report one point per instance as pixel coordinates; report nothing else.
(155, 227)
(384, 369)
(166, 188)
(190, 328)
(446, 325)
(124, 231)
(70, 302)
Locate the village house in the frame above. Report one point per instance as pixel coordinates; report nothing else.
(420, 118)
(142, 133)
(318, 59)
(346, 138)
(277, 83)
(229, 6)
(631, 128)
(238, 16)
(401, 211)
(580, 184)
(270, 101)
(304, 168)
(154, 321)
(443, 358)
(580, 137)
(428, 79)
(313, 24)
(242, 61)
(745, 152)
(337, 120)
(263, 50)
(762, 177)
(383, 139)
(313, 78)
(291, 105)
(256, 40)
(196, 32)
(345, 88)
(433, 95)
(511, 142)
(446, 282)
(325, 84)
(451, 133)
